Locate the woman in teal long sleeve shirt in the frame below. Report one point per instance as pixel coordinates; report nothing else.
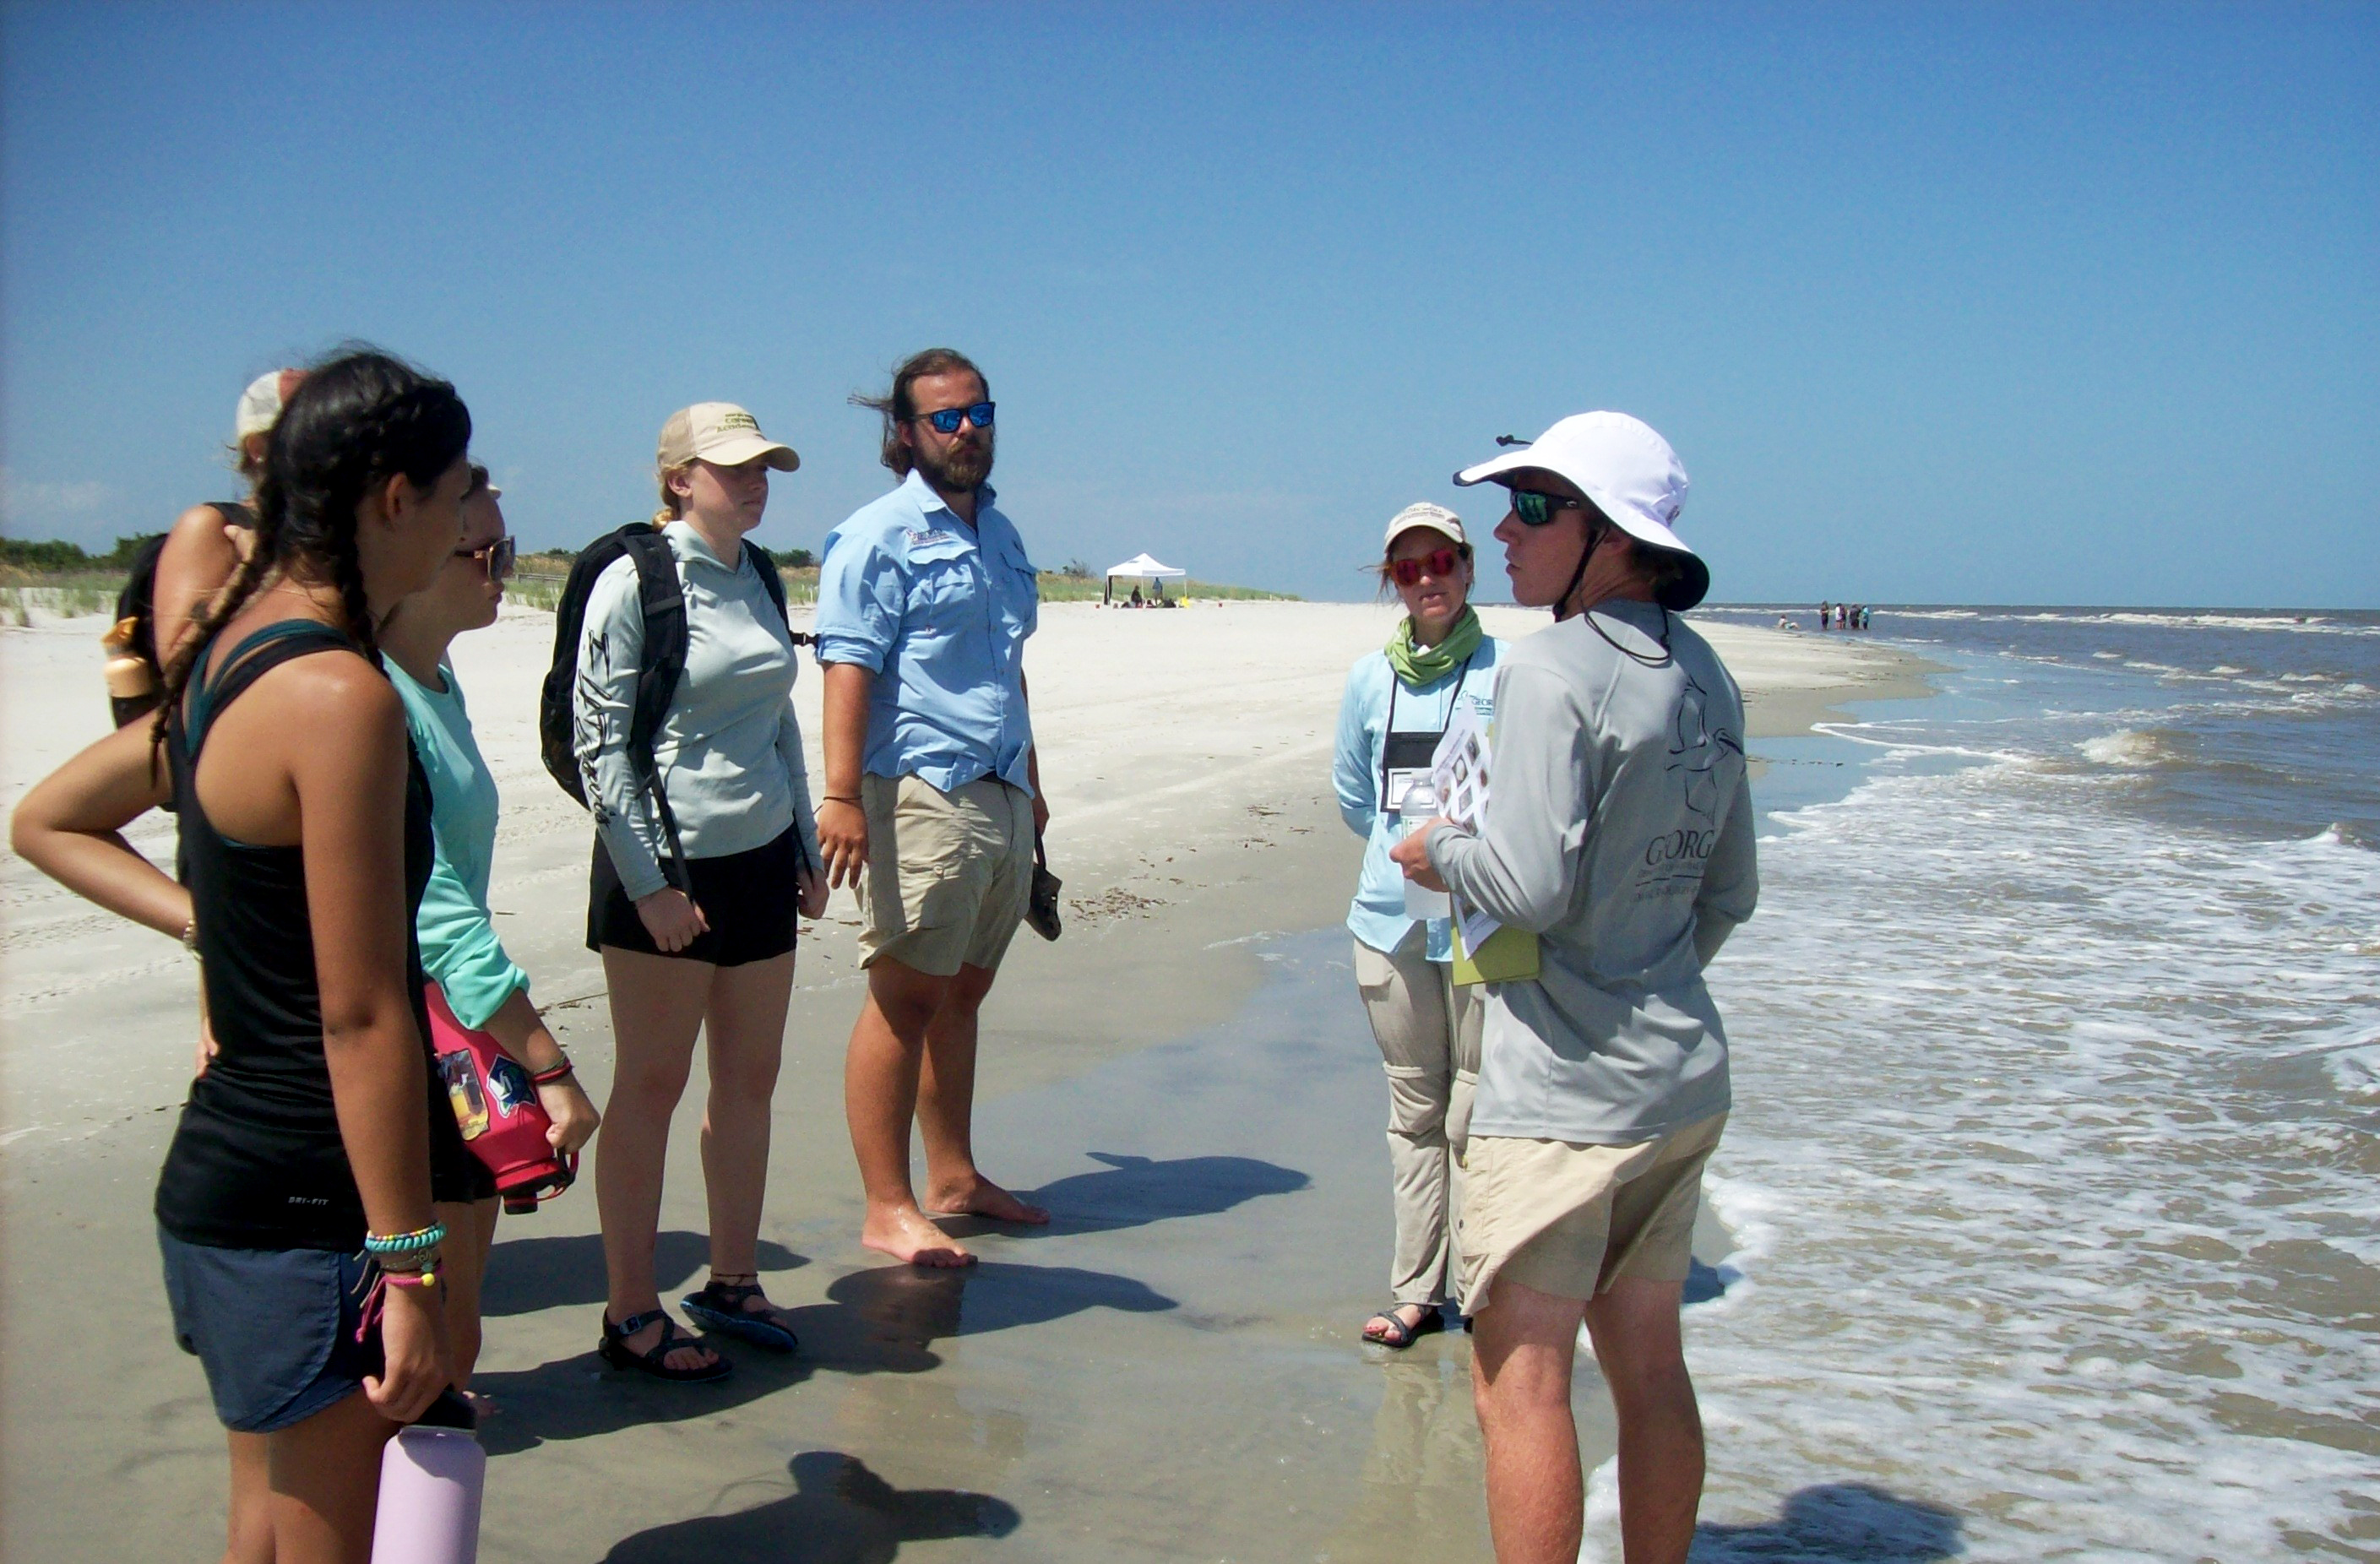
(1438, 662)
(460, 952)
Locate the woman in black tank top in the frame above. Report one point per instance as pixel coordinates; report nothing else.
(317, 1131)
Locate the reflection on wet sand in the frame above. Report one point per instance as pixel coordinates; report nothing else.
(1421, 1496)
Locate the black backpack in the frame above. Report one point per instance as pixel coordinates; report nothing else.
(663, 602)
(138, 604)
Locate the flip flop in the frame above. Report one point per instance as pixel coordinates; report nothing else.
(1399, 1336)
(720, 1306)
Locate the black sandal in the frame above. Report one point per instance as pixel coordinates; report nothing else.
(721, 1307)
(615, 1351)
(1399, 1336)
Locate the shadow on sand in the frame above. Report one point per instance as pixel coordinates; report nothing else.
(1838, 1523)
(1136, 1191)
(529, 1274)
(881, 1321)
(838, 1513)
(891, 1315)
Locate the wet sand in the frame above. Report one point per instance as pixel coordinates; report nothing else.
(1170, 1370)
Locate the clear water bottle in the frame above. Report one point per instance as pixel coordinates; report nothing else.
(1420, 803)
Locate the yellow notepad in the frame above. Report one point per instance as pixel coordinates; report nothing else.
(1509, 956)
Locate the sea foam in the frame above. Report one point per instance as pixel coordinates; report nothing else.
(2061, 1238)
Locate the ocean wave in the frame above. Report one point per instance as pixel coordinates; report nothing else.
(2138, 749)
(2020, 1083)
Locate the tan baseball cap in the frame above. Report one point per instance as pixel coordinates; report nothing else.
(723, 434)
(260, 405)
(1438, 518)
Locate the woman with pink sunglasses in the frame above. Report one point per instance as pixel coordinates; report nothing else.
(1399, 702)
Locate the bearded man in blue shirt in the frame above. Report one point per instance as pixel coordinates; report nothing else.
(933, 799)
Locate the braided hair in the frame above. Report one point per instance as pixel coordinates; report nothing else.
(358, 420)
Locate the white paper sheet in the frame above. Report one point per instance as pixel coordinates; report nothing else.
(1458, 771)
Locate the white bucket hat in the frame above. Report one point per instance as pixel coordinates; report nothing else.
(1630, 473)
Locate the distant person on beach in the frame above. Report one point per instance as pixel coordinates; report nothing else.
(933, 793)
(461, 955)
(188, 564)
(697, 888)
(1619, 833)
(1398, 703)
(1136, 595)
(294, 1208)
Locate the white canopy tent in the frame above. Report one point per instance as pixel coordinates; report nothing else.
(1141, 567)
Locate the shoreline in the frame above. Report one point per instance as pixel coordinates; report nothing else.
(1201, 850)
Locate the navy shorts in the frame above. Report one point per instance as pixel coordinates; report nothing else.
(274, 1329)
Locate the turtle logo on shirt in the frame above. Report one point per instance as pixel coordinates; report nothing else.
(1696, 749)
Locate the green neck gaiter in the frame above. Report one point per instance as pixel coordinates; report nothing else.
(1418, 666)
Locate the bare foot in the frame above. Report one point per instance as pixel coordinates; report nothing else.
(982, 1197)
(905, 1234)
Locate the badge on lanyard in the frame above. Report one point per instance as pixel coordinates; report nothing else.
(1407, 756)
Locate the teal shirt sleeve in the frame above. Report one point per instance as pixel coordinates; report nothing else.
(460, 952)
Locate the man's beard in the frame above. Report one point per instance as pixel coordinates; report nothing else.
(962, 471)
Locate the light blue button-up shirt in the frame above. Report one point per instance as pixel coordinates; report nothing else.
(1378, 914)
(939, 612)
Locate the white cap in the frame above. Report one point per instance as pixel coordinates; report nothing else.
(723, 434)
(1628, 470)
(260, 405)
(1438, 518)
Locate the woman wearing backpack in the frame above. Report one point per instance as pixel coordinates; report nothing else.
(705, 853)
(295, 1209)
(460, 953)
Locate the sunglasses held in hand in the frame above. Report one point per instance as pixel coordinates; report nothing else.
(947, 421)
(1441, 563)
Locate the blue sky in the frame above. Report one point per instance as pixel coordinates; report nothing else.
(1976, 303)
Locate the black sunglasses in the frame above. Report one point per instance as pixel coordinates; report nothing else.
(948, 419)
(1536, 507)
(498, 557)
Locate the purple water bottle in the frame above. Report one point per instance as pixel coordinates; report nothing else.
(430, 1485)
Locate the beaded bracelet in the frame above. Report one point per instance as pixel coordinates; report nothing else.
(560, 1072)
(411, 1242)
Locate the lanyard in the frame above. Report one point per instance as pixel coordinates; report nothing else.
(1410, 754)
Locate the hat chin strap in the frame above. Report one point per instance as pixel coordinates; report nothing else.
(1595, 534)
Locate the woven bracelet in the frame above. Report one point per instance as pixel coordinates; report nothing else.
(412, 1242)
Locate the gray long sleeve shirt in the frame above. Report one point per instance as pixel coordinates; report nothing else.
(1619, 830)
(729, 752)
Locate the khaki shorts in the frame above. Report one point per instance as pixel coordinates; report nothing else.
(1570, 1220)
(949, 874)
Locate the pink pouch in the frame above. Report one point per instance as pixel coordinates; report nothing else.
(496, 1107)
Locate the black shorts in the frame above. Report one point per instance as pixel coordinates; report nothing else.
(749, 900)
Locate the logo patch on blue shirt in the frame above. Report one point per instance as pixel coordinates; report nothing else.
(929, 536)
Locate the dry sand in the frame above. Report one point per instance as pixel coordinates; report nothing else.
(1171, 1371)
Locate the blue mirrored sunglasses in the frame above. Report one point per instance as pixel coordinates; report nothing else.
(948, 419)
